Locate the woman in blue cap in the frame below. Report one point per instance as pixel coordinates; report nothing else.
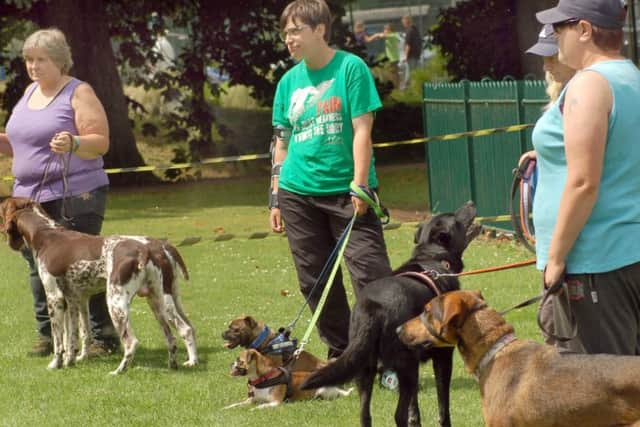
(556, 76)
(587, 207)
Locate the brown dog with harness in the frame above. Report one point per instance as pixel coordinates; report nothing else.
(270, 384)
(524, 383)
(247, 332)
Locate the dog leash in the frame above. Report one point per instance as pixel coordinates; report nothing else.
(434, 274)
(372, 199)
(322, 276)
(368, 195)
(543, 297)
(546, 294)
(524, 177)
(65, 165)
(323, 298)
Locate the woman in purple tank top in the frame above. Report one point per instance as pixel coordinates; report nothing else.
(57, 116)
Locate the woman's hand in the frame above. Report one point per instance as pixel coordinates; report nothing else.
(62, 142)
(359, 206)
(276, 220)
(553, 273)
(526, 156)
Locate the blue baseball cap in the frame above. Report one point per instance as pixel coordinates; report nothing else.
(602, 13)
(547, 44)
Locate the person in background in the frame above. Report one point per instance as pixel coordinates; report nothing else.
(323, 116)
(57, 116)
(361, 37)
(557, 75)
(392, 51)
(412, 48)
(586, 211)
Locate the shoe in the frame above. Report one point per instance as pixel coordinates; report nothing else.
(43, 346)
(389, 380)
(103, 348)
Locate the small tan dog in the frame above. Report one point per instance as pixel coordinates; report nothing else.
(286, 385)
(247, 332)
(524, 383)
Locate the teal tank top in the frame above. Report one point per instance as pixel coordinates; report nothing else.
(611, 237)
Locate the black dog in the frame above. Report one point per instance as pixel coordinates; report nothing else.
(385, 304)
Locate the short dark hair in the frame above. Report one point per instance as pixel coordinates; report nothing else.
(608, 38)
(311, 12)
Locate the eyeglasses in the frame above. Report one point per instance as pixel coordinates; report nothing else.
(558, 26)
(293, 32)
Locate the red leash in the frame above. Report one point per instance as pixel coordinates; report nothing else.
(499, 268)
(434, 274)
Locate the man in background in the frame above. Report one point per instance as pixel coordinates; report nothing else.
(412, 48)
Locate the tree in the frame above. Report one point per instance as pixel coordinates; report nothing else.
(479, 39)
(239, 37)
(94, 62)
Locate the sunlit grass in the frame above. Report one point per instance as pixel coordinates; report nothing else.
(239, 276)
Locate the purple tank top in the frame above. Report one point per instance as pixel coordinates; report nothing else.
(29, 132)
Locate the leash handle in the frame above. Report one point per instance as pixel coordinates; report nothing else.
(522, 177)
(327, 287)
(370, 196)
(548, 293)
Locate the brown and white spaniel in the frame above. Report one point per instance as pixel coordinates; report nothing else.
(73, 266)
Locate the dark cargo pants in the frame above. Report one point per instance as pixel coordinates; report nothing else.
(606, 307)
(314, 225)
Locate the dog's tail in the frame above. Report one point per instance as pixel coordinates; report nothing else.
(359, 355)
(143, 258)
(175, 256)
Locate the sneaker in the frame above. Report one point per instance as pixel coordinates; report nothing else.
(103, 348)
(389, 380)
(43, 346)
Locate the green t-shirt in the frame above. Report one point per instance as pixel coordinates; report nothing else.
(392, 47)
(318, 106)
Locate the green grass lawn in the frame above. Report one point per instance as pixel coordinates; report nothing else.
(228, 278)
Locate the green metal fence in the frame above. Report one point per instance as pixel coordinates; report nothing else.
(477, 168)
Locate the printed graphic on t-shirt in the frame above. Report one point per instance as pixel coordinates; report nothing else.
(325, 119)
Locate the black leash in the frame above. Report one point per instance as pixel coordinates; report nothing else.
(520, 215)
(546, 294)
(64, 162)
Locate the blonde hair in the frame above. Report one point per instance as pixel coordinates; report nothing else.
(53, 41)
(553, 89)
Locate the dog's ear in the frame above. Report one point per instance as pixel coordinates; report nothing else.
(8, 210)
(251, 322)
(466, 213)
(451, 310)
(421, 233)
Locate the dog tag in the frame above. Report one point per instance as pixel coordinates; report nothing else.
(594, 297)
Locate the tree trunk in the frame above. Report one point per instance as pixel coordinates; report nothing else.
(528, 29)
(85, 25)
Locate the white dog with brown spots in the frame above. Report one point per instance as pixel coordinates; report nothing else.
(74, 266)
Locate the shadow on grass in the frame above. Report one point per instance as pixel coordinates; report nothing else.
(457, 383)
(157, 358)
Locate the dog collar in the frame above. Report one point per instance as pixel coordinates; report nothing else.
(260, 338)
(504, 341)
(425, 278)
